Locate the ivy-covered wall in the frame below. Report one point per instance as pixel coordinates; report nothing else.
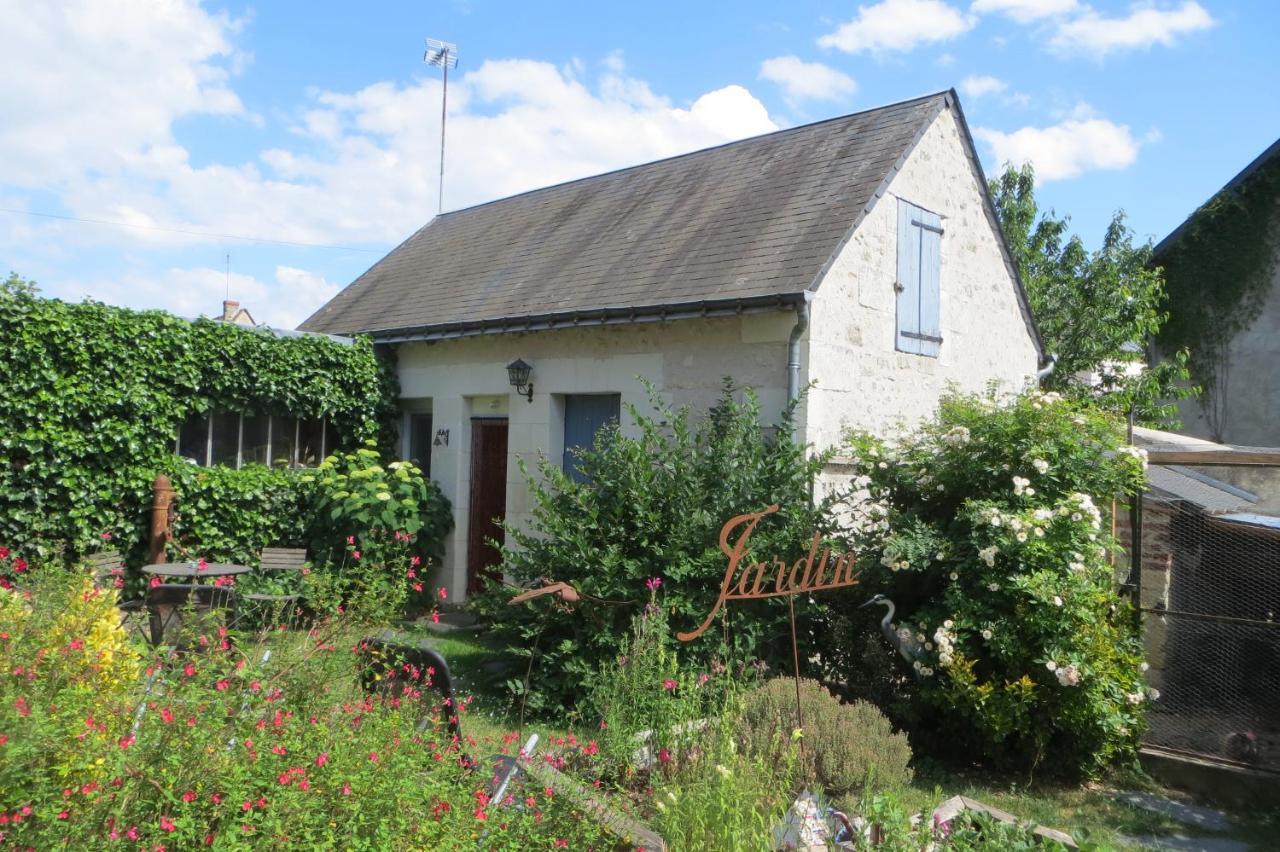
(91, 398)
(1218, 272)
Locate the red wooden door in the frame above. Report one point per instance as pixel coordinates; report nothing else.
(488, 500)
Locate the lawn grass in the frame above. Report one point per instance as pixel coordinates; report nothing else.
(1088, 812)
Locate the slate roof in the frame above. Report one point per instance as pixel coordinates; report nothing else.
(749, 223)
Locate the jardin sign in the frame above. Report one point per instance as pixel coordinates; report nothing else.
(758, 580)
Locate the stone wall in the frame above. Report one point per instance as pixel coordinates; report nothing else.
(862, 381)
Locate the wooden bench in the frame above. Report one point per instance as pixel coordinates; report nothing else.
(105, 566)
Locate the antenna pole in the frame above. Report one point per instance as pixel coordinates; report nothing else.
(444, 102)
(228, 296)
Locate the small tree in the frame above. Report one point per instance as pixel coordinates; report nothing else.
(651, 508)
(1096, 311)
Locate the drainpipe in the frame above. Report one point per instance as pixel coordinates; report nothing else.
(1047, 370)
(793, 348)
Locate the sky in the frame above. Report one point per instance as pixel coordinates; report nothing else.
(168, 153)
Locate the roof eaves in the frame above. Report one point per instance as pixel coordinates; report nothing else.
(589, 318)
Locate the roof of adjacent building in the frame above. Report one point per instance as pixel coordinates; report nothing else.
(749, 224)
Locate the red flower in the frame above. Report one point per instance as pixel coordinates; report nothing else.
(435, 616)
(415, 561)
(222, 684)
(417, 587)
(4, 739)
(155, 581)
(346, 789)
(351, 539)
(322, 758)
(64, 815)
(591, 748)
(167, 824)
(373, 756)
(442, 592)
(189, 670)
(561, 843)
(4, 553)
(189, 796)
(106, 536)
(19, 565)
(127, 741)
(664, 756)
(355, 554)
(216, 798)
(669, 684)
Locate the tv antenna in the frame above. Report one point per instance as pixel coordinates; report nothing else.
(445, 55)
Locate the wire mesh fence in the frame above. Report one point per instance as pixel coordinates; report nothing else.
(1208, 589)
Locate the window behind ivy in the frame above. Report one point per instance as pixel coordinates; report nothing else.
(234, 440)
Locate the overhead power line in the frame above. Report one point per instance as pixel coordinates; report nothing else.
(186, 231)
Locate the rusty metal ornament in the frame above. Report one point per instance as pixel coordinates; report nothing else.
(775, 578)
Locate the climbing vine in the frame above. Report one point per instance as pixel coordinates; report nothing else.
(1217, 275)
(93, 396)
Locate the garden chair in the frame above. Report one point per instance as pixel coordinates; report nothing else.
(167, 602)
(277, 560)
(103, 565)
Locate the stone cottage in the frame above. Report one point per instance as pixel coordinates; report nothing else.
(861, 254)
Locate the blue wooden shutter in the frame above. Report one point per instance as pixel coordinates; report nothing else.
(908, 285)
(584, 416)
(930, 228)
(919, 279)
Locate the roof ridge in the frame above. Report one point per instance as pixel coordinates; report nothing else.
(759, 136)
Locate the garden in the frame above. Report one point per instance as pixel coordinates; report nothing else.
(974, 646)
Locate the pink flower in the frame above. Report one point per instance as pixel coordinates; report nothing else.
(703, 678)
(155, 581)
(415, 561)
(373, 756)
(19, 565)
(222, 684)
(189, 670)
(132, 833)
(322, 758)
(64, 815)
(106, 536)
(346, 789)
(351, 539)
(202, 565)
(653, 583)
(355, 554)
(664, 756)
(442, 592)
(417, 587)
(435, 617)
(189, 796)
(669, 684)
(4, 553)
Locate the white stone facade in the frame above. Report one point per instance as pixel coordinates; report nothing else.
(848, 350)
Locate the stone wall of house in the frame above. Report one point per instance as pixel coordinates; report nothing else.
(1248, 396)
(457, 380)
(862, 381)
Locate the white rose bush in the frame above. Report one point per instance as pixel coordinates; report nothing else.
(1030, 660)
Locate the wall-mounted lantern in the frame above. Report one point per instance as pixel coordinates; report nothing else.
(518, 372)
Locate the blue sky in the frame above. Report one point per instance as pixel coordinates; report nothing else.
(316, 124)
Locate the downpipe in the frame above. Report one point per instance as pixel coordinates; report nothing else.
(793, 348)
(1047, 370)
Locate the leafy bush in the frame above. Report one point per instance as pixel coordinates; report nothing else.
(988, 526)
(94, 396)
(386, 505)
(233, 748)
(653, 506)
(847, 747)
(649, 705)
(228, 515)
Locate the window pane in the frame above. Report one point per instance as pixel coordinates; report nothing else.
(420, 442)
(310, 434)
(255, 440)
(193, 440)
(226, 438)
(584, 416)
(283, 435)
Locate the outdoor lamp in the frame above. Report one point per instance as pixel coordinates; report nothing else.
(518, 372)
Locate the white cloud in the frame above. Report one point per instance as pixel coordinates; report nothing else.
(899, 25)
(1143, 27)
(807, 81)
(91, 94)
(292, 296)
(979, 85)
(1025, 11)
(1065, 150)
(92, 85)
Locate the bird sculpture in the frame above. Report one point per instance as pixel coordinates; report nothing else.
(900, 638)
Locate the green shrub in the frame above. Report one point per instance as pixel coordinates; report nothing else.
(988, 531)
(228, 515)
(847, 747)
(358, 502)
(653, 507)
(94, 395)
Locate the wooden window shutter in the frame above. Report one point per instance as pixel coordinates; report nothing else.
(908, 285)
(919, 280)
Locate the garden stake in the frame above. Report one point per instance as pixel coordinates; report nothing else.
(795, 658)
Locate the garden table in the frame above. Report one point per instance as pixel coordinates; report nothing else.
(195, 570)
(165, 600)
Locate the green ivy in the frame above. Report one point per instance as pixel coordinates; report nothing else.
(93, 396)
(1218, 271)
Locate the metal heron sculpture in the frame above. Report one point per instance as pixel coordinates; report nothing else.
(900, 638)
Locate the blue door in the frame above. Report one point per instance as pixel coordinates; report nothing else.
(584, 415)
